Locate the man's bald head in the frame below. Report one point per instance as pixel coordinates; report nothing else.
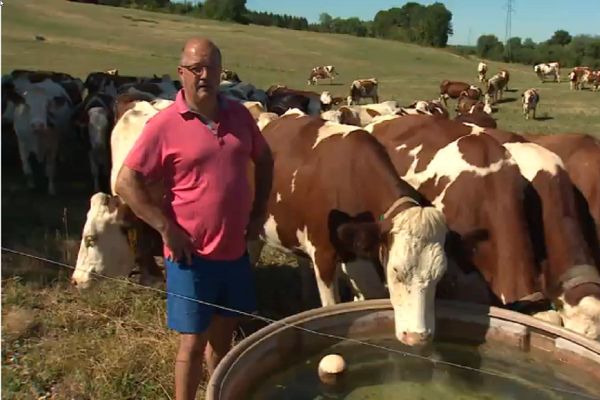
(198, 49)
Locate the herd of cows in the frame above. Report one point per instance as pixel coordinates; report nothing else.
(402, 202)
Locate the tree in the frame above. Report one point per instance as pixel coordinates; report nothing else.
(226, 10)
(529, 43)
(560, 37)
(488, 46)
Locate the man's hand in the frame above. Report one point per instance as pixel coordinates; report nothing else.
(178, 243)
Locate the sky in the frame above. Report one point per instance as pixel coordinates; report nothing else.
(536, 19)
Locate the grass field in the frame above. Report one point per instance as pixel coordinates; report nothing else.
(111, 342)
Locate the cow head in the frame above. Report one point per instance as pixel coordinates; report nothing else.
(105, 247)
(410, 246)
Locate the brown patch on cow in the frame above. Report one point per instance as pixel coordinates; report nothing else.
(469, 146)
(574, 295)
(478, 118)
(348, 117)
(433, 187)
(372, 113)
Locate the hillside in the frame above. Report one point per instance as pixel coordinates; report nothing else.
(82, 37)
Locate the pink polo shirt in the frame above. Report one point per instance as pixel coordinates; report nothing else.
(205, 172)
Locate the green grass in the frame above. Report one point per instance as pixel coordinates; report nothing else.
(111, 342)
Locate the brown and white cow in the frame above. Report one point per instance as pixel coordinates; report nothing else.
(504, 73)
(482, 69)
(341, 214)
(578, 77)
(580, 154)
(530, 99)
(495, 88)
(547, 69)
(570, 277)
(594, 80)
(454, 89)
(477, 117)
(41, 119)
(477, 184)
(466, 105)
(322, 72)
(363, 88)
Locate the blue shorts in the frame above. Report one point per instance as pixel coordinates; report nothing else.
(229, 284)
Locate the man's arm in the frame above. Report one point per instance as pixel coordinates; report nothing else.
(130, 186)
(263, 181)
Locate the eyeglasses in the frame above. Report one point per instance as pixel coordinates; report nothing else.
(197, 69)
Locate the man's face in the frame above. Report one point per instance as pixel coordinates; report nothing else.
(200, 74)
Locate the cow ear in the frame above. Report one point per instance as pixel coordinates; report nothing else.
(124, 215)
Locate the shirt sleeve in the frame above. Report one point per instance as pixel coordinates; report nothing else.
(146, 155)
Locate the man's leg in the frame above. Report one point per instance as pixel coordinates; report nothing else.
(220, 336)
(189, 287)
(188, 365)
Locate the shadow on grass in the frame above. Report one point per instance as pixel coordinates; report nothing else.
(544, 118)
(507, 100)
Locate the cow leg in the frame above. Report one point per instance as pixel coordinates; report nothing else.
(309, 295)
(326, 266)
(95, 171)
(365, 281)
(27, 171)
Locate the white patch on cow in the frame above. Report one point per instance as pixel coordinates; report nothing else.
(329, 294)
(265, 119)
(401, 147)
(278, 197)
(294, 111)
(584, 318)
(331, 129)
(293, 184)
(326, 98)
(271, 235)
(378, 120)
(550, 316)
(475, 129)
(503, 298)
(332, 115)
(532, 158)
(449, 162)
(416, 261)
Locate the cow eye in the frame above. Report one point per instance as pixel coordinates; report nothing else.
(90, 240)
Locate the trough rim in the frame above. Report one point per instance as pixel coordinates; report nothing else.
(444, 310)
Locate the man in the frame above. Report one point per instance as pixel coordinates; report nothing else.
(200, 147)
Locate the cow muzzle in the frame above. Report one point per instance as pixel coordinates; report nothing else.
(414, 339)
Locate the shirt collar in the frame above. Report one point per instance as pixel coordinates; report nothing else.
(183, 108)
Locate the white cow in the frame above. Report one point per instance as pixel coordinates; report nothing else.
(481, 71)
(548, 69)
(105, 248)
(531, 98)
(42, 117)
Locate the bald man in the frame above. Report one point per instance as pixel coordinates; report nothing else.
(200, 148)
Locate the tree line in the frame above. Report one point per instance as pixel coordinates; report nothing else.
(429, 25)
(569, 51)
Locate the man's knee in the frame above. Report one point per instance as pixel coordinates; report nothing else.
(192, 346)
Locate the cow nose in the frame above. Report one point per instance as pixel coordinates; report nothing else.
(73, 282)
(415, 339)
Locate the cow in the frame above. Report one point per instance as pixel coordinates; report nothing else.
(547, 69)
(530, 99)
(580, 154)
(495, 88)
(466, 105)
(454, 89)
(594, 80)
(429, 107)
(578, 77)
(322, 72)
(482, 69)
(363, 88)
(458, 172)
(569, 277)
(242, 91)
(42, 117)
(504, 73)
(334, 212)
(360, 115)
(230, 76)
(477, 117)
(111, 231)
(282, 98)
